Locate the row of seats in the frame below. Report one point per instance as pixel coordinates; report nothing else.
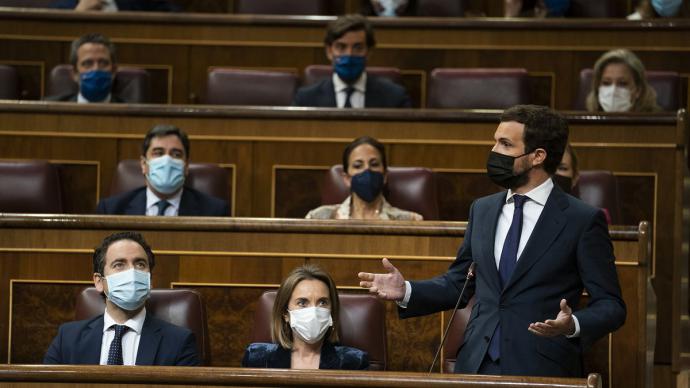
(448, 88)
(434, 8)
(34, 187)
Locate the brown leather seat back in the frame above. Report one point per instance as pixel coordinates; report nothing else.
(316, 73)
(131, 84)
(31, 186)
(666, 84)
(456, 335)
(226, 86)
(9, 83)
(208, 178)
(180, 307)
(408, 188)
(362, 324)
(477, 88)
(600, 189)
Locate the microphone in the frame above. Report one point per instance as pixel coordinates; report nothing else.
(470, 275)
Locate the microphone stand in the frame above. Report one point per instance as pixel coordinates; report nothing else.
(470, 275)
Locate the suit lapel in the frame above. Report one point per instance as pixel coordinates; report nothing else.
(149, 341)
(188, 204)
(89, 346)
(548, 227)
(488, 230)
(137, 206)
(329, 93)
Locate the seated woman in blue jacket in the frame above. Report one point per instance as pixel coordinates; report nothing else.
(304, 327)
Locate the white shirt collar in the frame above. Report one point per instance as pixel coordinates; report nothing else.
(135, 323)
(360, 85)
(152, 199)
(82, 100)
(538, 194)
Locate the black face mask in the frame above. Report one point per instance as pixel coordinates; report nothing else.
(564, 182)
(367, 184)
(499, 167)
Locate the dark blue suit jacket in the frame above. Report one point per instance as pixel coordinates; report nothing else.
(265, 355)
(380, 93)
(125, 5)
(161, 343)
(569, 249)
(192, 203)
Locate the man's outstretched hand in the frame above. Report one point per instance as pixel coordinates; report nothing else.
(388, 286)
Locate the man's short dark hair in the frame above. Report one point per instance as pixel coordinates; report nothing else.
(100, 251)
(358, 142)
(91, 38)
(161, 130)
(346, 23)
(544, 128)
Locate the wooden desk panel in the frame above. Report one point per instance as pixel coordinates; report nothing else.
(44, 261)
(189, 44)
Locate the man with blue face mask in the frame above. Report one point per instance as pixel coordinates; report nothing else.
(93, 61)
(124, 334)
(164, 164)
(349, 40)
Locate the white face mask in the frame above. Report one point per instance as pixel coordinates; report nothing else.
(390, 6)
(310, 323)
(614, 99)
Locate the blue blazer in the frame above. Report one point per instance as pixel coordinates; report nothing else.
(569, 249)
(192, 203)
(380, 93)
(125, 5)
(161, 343)
(265, 355)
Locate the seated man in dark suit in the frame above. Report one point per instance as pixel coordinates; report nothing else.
(93, 60)
(115, 5)
(165, 164)
(124, 334)
(349, 40)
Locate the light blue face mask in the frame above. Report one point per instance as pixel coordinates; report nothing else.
(166, 174)
(129, 289)
(667, 8)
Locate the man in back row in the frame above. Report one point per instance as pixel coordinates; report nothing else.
(349, 41)
(165, 166)
(124, 334)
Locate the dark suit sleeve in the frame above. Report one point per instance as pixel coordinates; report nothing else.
(101, 209)
(442, 292)
(63, 4)
(299, 99)
(606, 309)
(54, 354)
(405, 101)
(188, 355)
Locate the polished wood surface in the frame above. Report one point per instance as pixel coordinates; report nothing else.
(14, 375)
(46, 259)
(182, 47)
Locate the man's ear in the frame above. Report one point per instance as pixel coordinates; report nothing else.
(144, 165)
(539, 156)
(329, 53)
(75, 75)
(99, 282)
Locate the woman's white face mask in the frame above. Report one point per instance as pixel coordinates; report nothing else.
(614, 98)
(310, 323)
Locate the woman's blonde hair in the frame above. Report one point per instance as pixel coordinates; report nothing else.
(646, 102)
(281, 332)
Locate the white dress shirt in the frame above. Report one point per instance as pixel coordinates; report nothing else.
(531, 210)
(357, 97)
(82, 100)
(130, 340)
(109, 6)
(152, 200)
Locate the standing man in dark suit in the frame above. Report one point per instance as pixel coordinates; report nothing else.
(349, 40)
(535, 248)
(165, 164)
(93, 68)
(124, 334)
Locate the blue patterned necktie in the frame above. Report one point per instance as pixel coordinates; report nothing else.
(115, 352)
(507, 265)
(162, 205)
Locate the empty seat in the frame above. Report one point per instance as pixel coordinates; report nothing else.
(9, 83)
(362, 324)
(478, 88)
(281, 7)
(600, 189)
(316, 73)
(131, 84)
(180, 307)
(250, 87)
(29, 187)
(208, 178)
(408, 188)
(665, 83)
